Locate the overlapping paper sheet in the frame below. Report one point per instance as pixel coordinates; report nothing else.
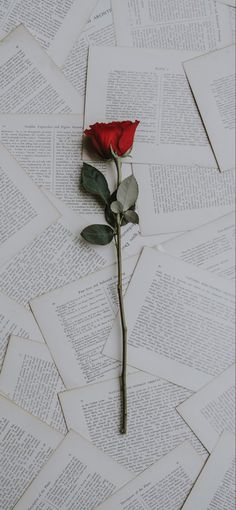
(182, 25)
(165, 484)
(170, 316)
(30, 81)
(55, 25)
(212, 80)
(215, 488)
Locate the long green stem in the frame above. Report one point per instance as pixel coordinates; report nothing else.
(122, 313)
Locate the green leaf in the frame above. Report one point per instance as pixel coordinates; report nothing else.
(132, 217)
(127, 192)
(94, 182)
(116, 207)
(98, 234)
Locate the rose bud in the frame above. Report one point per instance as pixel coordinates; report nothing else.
(112, 138)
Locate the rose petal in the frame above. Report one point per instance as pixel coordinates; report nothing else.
(127, 138)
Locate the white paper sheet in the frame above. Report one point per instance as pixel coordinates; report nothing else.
(53, 259)
(165, 485)
(212, 409)
(26, 445)
(228, 2)
(171, 308)
(154, 426)
(29, 378)
(77, 476)
(215, 488)
(30, 81)
(99, 30)
(150, 86)
(24, 209)
(181, 24)
(48, 147)
(54, 24)
(175, 198)
(232, 15)
(76, 321)
(212, 80)
(210, 247)
(15, 319)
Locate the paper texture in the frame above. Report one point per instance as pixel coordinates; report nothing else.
(98, 31)
(26, 445)
(175, 198)
(228, 2)
(77, 476)
(212, 79)
(164, 485)
(76, 321)
(24, 210)
(182, 24)
(150, 86)
(232, 14)
(172, 307)
(215, 487)
(210, 247)
(48, 147)
(54, 258)
(30, 80)
(212, 409)
(54, 25)
(29, 377)
(155, 428)
(15, 319)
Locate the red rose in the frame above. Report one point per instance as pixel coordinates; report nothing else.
(116, 135)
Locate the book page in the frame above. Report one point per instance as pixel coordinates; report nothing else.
(136, 245)
(15, 319)
(174, 198)
(181, 24)
(212, 80)
(53, 259)
(232, 14)
(48, 147)
(30, 81)
(210, 247)
(26, 445)
(212, 409)
(24, 209)
(172, 307)
(215, 488)
(165, 485)
(29, 378)
(77, 476)
(54, 25)
(150, 86)
(228, 2)
(98, 31)
(154, 426)
(76, 321)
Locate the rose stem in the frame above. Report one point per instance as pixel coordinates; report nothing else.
(122, 313)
